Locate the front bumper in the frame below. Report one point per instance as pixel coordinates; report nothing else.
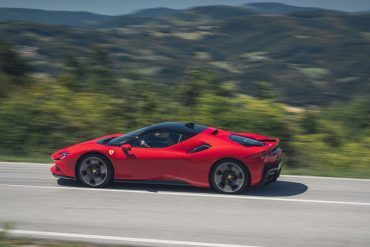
(55, 170)
(271, 172)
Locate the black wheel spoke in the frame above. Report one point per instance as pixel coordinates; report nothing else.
(234, 187)
(221, 185)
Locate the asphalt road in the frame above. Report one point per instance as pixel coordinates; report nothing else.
(295, 211)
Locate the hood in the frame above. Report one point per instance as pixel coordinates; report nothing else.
(76, 147)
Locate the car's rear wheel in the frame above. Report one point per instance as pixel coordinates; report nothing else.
(95, 170)
(229, 176)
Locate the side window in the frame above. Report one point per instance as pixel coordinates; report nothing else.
(157, 139)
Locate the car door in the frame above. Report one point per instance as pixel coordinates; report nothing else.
(154, 156)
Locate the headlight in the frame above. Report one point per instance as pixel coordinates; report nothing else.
(61, 155)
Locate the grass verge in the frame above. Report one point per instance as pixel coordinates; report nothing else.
(33, 159)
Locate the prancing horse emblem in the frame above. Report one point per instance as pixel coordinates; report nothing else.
(111, 152)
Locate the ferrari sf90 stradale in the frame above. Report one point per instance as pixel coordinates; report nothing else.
(175, 152)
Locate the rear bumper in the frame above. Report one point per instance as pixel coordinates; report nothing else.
(271, 172)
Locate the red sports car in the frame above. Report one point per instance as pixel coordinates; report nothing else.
(187, 153)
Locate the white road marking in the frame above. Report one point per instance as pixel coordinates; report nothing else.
(287, 176)
(262, 198)
(120, 239)
(328, 178)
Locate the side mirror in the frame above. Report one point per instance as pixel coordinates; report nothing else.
(126, 148)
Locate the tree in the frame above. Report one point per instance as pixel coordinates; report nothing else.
(309, 122)
(12, 64)
(266, 90)
(198, 81)
(100, 70)
(93, 73)
(14, 70)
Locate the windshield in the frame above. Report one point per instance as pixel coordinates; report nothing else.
(118, 141)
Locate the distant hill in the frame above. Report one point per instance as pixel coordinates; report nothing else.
(277, 8)
(71, 18)
(79, 18)
(309, 57)
(204, 14)
(155, 12)
(221, 11)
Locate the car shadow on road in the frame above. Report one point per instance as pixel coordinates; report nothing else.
(278, 189)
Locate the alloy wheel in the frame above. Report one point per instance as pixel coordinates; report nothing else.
(93, 171)
(229, 177)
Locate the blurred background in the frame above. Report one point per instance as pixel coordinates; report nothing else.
(300, 73)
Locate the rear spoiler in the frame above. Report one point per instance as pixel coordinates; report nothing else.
(269, 140)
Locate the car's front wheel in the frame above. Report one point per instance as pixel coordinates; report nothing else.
(95, 170)
(229, 176)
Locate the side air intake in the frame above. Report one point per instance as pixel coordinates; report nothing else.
(199, 148)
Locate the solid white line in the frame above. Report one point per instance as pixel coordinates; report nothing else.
(120, 239)
(329, 178)
(262, 198)
(287, 176)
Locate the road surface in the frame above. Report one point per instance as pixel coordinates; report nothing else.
(295, 211)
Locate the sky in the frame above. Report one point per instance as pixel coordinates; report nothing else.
(116, 7)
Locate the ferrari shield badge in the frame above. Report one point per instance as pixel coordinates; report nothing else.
(111, 152)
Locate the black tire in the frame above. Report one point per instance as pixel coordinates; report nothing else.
(94, 170)
(229, 177)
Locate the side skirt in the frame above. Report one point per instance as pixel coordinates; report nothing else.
(154, 182)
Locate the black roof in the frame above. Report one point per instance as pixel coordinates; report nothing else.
(189, 129)
(186, 128)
